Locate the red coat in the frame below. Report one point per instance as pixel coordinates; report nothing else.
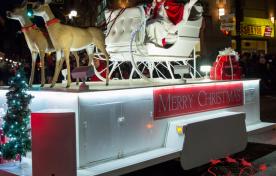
(174, 11)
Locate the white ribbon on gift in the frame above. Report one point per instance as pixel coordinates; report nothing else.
(229, 52)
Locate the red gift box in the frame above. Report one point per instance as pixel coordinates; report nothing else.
(3, 138)
(226, 67)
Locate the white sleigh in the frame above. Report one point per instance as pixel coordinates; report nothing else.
(126, 44)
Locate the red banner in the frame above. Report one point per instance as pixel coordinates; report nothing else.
(175, 101)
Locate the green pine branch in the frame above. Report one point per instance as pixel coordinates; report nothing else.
(17, 119)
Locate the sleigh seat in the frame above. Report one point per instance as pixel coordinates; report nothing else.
(124, 22)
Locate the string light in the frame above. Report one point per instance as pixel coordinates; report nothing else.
(10, 61)
(16, 125)
(72, 14)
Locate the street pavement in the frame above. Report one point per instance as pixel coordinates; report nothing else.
(261, 151)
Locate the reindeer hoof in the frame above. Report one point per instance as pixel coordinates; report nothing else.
(77, 83)
(52, 85)
(67, 86)
(42, 85)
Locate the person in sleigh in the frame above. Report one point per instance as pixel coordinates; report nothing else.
(164, 15)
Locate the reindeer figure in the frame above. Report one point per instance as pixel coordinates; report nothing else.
(36, 40)
(68, 38)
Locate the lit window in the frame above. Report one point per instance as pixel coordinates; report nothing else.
(221, 12)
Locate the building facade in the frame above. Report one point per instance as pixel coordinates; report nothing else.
(253, 28)
(257, 27)
(212, 39)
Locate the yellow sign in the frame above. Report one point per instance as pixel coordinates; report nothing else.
(257, 27)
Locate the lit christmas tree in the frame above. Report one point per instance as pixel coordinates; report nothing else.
(16, 121)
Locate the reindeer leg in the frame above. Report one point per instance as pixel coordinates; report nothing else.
(66, 55)
(78, 64)
(34, 56)
(42, 59)
(90, 53)
(57, 68)
(60, 66)
(101, 45)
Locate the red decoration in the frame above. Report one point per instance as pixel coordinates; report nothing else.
(246, 163)
(174, 11)
(215, 162)
(28, 28)
(262, 167)
(3, 140)
(164, 42)
(52, 21)
(230, 160)
(100, 69)
(226, 67)
(180, 100)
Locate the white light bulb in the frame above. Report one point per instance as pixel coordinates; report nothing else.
(74, 13)
(205, 68)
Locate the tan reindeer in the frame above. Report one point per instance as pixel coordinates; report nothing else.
(67, 38)
(36, 40)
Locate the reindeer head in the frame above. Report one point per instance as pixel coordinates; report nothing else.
(18, 13)
(42, 10)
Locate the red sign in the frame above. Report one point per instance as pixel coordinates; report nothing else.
(268, 31)
(175, 101)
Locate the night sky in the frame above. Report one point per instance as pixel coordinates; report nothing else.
(12, 43)
(8, 5)
(11, 40)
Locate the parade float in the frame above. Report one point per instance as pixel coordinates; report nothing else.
(162, 111)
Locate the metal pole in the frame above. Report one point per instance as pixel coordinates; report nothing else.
(194, 63)
(239, 16)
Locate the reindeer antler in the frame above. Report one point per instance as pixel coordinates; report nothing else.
(24, 3)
